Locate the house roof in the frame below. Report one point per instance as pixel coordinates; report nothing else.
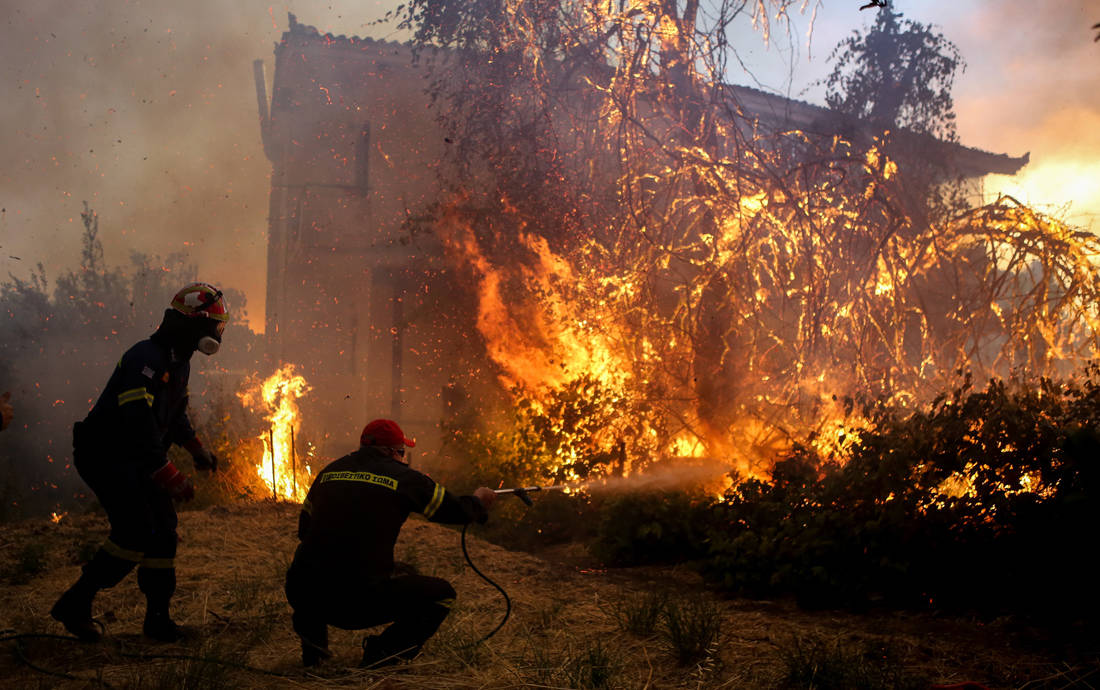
(968, 161)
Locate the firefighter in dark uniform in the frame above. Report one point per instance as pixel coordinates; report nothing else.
(343, 570)
(120, 451)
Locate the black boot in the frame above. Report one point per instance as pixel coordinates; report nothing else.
(377, 655)
(158, 585)
(74, 608)
(313, 654)
(74, 611)
(159, 626)
(314, 636)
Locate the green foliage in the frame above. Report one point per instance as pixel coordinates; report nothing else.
(546, 440)
(652, 527)
(691, 628)
(974, 503)
(593, 665)
(898, 74)
(554, 518)
(556, 433)
(639, 613)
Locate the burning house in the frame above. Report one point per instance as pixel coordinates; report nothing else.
(357, 298)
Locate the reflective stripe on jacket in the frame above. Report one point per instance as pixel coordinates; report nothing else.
(356, 506)
(142, 409)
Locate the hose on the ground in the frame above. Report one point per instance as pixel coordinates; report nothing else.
(483, 576)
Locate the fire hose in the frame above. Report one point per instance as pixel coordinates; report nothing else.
(522, 494)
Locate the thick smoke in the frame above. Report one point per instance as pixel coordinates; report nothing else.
(147, 110)
(1037, 92)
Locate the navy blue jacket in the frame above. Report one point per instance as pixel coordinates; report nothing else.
(143, 408)
(355, 509)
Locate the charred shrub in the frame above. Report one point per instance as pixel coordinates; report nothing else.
(652, 527)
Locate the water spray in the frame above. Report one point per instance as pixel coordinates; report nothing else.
(663, 479)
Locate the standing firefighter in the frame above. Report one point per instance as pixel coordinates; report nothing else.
(120, 451)
(343, 571)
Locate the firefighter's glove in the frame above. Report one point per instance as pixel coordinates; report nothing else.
(174, 482)
(204, 460)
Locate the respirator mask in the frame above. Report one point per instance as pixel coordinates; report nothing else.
(209, 343)
(211, 340)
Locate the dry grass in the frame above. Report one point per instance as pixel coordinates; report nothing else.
(564, 630)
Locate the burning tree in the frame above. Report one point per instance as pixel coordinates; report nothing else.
(724, 285)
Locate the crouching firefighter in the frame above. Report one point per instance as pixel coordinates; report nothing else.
(120, 451)
(343, 570)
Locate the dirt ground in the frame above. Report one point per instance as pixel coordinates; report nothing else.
(565, 628)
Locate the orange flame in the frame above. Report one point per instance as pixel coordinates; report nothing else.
(286, 474)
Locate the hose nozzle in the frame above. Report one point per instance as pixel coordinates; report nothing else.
(520, 492)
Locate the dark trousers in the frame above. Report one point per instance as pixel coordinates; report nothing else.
(143, 528)
(414, 605)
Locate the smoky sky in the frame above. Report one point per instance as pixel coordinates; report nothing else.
(1030, 85)
(147, 110)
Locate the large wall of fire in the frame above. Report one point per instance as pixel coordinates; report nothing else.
(357, 299)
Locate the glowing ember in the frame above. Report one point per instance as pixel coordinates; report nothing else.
(57, 517)
(286, 475)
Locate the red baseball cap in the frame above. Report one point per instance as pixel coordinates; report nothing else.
(384, 432)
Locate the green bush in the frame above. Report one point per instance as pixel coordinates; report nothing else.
(691, 628)
(975, 503)
(813, 663)
(639, 613)
(652, 527)
(553, 518)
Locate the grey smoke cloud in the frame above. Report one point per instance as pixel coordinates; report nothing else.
(1030, 84)
(146, 109)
